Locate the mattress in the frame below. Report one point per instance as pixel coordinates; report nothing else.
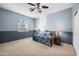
(29, 47)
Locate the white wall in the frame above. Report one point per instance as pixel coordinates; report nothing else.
(76, 33)
(41, 23)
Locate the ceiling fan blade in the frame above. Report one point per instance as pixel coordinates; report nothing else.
(31, 4)
(32, 9)
(45, 7)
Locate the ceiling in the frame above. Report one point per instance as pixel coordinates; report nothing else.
(23, 8)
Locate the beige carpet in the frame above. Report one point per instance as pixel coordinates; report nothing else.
(28, 47)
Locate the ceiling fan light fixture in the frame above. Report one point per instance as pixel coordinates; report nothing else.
(37, 6)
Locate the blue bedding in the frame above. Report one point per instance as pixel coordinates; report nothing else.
(43, 38)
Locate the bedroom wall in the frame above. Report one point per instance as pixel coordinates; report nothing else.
(50, 21)
(8, 26)
(41, 23)
(8, 20)
(62, 19)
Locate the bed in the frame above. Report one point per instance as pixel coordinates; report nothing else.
(29, 47)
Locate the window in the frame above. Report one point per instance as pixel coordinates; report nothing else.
(22, 25)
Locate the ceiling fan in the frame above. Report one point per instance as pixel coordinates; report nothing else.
(37, 6)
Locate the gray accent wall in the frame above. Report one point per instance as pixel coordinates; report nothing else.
(8, 20)
(62, 19)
